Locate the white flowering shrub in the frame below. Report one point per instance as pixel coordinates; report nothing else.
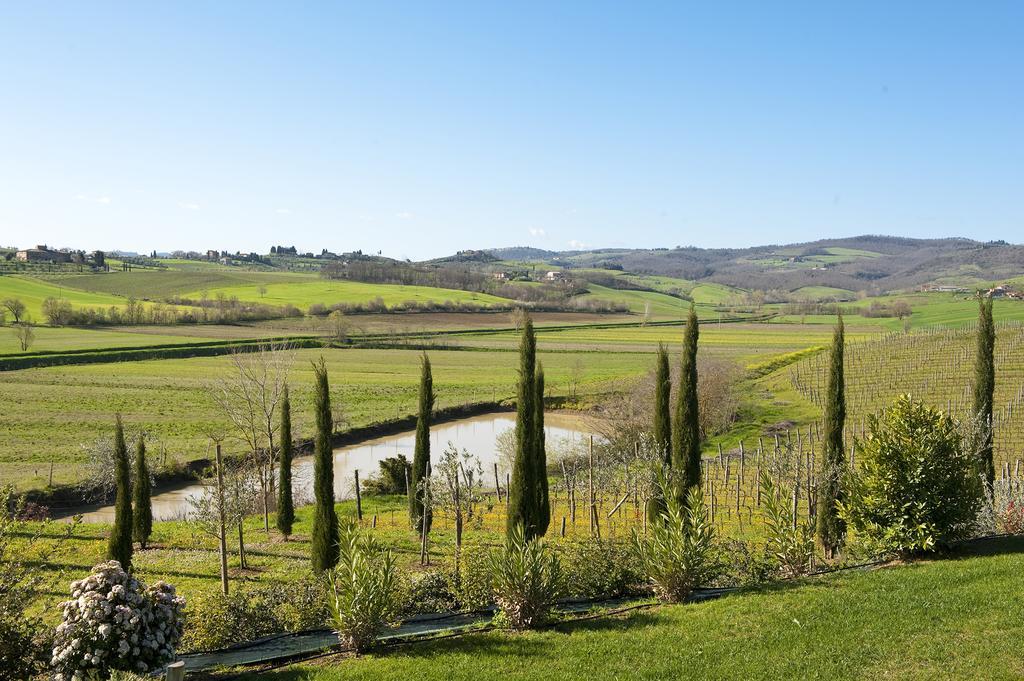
(113, 622)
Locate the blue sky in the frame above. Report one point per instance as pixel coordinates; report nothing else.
(418, 129)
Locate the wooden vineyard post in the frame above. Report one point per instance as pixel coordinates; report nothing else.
(222, 524)
(590, 470)
(424, 556)
(359, 499)
(497, 483)
(175, 671)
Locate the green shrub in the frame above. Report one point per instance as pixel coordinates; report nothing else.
(526, 580)
(365, 595)
(790, 537)
(745, 563)
(678, 553)
(427, 592)
(473, 584)
(917, 484)
(216, 621)
(598, 569)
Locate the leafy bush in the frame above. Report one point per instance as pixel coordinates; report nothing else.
(114, 622)
(678, 553)
(26, 552)
(365, 597)
(473, 584)
(216, 621)
(526, 580)
(395, 471)
(427, 592)
(744, 563)
(1003, 508)
(790, 538)
(596, 569)
(916, 486)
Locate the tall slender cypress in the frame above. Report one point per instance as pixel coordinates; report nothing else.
(522, 497)
(285, 518)
(686, 440)
(119, 546)
(142, 513)
(540, 457)
(985, 386)
(325, 549)
(662, 426)
(830, 527)
(421, 452)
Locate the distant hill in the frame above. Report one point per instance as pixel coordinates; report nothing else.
(864, 263)
(522, 253)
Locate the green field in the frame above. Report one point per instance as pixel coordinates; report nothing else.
(955, 619)
(51, 413)
(33, 292)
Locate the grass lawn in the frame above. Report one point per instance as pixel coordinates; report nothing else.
(944, 619)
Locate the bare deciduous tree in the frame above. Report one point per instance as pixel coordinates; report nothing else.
(25, 335)
(250, 394)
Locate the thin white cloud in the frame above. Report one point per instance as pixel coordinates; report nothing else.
(576, 245)
(283, 211)
(187, 205)
(102, 200)
(405, 215)
(537, 231)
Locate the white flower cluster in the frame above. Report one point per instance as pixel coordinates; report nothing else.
(114, 622)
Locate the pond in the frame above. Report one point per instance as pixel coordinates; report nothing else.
(478, 434)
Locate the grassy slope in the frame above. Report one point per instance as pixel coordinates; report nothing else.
(33, 292)
(310, 289)
(301, 290)
(944, 619)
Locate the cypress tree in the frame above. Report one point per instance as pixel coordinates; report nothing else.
(142, 514)
(119, 546)
(830, 527)
(985, 386)
(662, 426)
(686, 440)
(285, 504)
(540, 457)
(421, 452)
(325, 549)
(522, 497)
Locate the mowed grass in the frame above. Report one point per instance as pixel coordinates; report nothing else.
(33, 292)
(948, 619)
(55, 413)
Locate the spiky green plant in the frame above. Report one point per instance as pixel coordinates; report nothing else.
(677, 554)
(526, 578)
(364, 594)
